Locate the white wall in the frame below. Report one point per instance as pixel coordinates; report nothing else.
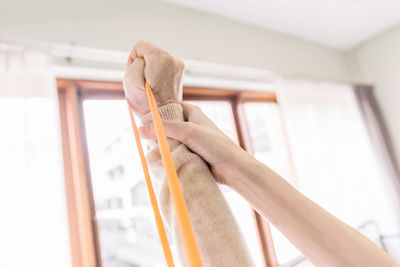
(184, 32)
(378, 62)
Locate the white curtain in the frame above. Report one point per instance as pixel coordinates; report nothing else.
(33, 222)
(335, 162)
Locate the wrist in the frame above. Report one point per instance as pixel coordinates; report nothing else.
(238, 167)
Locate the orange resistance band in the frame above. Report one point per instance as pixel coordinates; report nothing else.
(184, 225)
(153, 200)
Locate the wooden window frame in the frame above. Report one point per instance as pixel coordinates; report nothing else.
(83, 229)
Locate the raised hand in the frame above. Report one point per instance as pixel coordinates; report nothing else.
(162, 72)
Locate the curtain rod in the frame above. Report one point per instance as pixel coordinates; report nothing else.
(63, 50)
(193, 67)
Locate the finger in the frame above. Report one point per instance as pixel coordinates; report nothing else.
(129, 62)
(171, 129)
(131, 57)
(194, 114)
(188, 109)
(141, 49)
(134, 80)
(147, 131)
(177, 130)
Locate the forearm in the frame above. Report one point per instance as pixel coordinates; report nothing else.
(219, 239)
(323, 239)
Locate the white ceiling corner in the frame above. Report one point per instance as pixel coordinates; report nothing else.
(341, 24)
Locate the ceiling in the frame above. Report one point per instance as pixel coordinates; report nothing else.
(341, 24)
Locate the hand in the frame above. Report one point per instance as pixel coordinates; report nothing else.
(161, 71)
(204, 138)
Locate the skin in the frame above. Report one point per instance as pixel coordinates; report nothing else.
(322, 238)
(162, 72)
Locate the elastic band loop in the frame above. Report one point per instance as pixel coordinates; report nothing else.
(182, 215)
(184, 224)
(157, 216)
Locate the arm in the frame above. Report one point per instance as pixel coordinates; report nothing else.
(217, 234)
(322, 238)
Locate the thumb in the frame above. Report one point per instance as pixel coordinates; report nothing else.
(177, 130)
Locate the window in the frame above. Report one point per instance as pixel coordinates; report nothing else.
(126, 226)
(115, 223)
(116, 172)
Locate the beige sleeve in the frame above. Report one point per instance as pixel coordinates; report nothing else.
(218, 236)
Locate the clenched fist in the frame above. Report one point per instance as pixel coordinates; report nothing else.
(162, 72)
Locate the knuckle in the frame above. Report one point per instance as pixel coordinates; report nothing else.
(166, 58)
(139, 61)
